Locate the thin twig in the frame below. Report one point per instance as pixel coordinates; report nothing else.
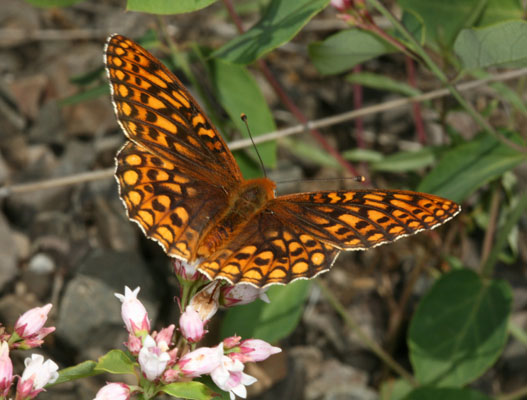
(244, 143)
(366, 340)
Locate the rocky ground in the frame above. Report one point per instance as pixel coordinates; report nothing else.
(74, 247)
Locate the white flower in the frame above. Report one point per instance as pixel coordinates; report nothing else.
(152, 359)
(40, 372)
(229, 376)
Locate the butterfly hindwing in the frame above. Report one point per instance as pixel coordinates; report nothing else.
(360, 219)
(171, 207)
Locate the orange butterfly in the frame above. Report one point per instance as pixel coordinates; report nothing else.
(181, 185)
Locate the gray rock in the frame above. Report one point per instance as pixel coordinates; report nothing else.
(8, 254)
(90, 318)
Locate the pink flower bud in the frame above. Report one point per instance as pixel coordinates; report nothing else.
(205, 302)
(164, 337)
(242, 294)
(133, 312)
(231, 342)
(113, 391)
(191, 325)
(30, 325)
(6, 370)
(133, 344)
(36, 375)
(341, 5)
(152, 359)
(256, 350)
(186, 271)
(201, 361)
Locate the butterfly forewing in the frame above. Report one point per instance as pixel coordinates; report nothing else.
(157, 113)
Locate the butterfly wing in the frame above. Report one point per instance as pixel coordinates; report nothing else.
(358, 220)
(269, 251)
(158, 114)
(176, 173)
(300, 235)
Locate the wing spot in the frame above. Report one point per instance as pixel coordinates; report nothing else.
(166, 234)
(396, 230)
(375, 197)
(130, 177)
(300, 268)
(375, 237)
(135, 197)
(198, 119)
(317, 258)
(126, 109)
(123, 91)
(133, 160)
(146, 217)
(402, 196)
(207, 132)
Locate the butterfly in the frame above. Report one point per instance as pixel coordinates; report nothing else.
(181, 184)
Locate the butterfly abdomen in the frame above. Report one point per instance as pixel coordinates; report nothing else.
(251, 197)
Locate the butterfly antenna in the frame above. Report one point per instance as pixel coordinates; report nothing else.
(243, 117)
(359, 178)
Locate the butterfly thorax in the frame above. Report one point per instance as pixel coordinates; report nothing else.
(251, 197)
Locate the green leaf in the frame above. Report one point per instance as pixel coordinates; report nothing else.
(116, 362)
(365, 155)
(309, 151)
(459, 329)
(381, 82)
(82, 370)
(188, 390)
(497, 45)
(270, 322)
(167, 6)
(395, 389)
(344, 50)
(414, 25)
(88, 77)
(281, 22)
(425, 393)
(238, 93)
(86, 95)
(405, 161)
(444, 19)
(53, 3)
(501, 10)
(471, 165)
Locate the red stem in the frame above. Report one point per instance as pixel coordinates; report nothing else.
(416, 107)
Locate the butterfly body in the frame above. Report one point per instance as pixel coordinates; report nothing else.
(180, 183)
(250, 199)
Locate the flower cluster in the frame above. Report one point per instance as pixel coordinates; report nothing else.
(162, 363)
(29, 332)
